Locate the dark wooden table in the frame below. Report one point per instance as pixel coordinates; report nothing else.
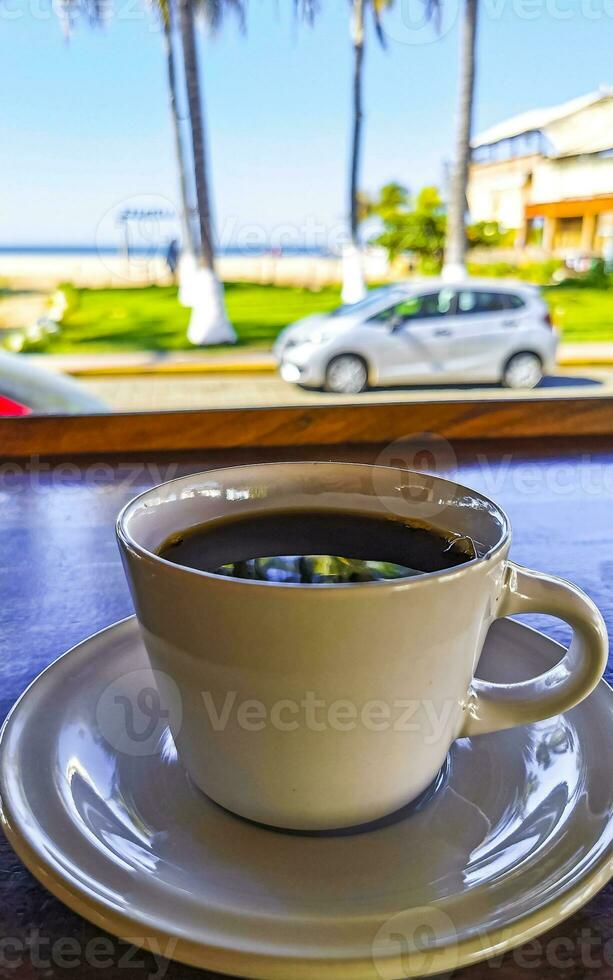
(61, 580)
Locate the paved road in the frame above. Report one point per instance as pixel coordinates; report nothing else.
(145, 392)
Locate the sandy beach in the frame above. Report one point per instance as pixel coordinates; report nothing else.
(43, 272)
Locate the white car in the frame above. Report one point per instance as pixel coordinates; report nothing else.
(27, 387)
(431, 331)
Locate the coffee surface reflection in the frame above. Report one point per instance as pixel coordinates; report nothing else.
(316, 547)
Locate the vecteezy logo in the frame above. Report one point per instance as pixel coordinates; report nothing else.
(415, 458)
(132, 237)
(415, 942)
(134, 712)
(418, 22)
(149, 705)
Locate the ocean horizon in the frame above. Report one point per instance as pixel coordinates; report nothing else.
(143, 251)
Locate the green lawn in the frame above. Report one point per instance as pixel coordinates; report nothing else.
(104, 320)
(582, 314)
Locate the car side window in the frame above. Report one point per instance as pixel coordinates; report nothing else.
(514, 302)
(424, 307)
(479, 301)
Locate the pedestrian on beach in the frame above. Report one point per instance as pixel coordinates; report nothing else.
(172, 257)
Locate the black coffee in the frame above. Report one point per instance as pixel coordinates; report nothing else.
(314, 547)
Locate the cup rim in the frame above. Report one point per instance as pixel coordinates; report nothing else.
(129, 543)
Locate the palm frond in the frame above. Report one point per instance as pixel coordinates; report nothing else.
(162, 9)
(215, 11)
(307, 9)
(95, 12)
(377, 7)
(434, 12)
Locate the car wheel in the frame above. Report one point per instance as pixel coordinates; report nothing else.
(523, 370)
(346, 374)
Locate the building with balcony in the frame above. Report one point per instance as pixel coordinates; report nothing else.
(548, 174)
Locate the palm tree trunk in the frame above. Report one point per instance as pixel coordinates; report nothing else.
(353, 278)
(206, 253)
(356, 142)
(455, 251)
(189, 243)
(209, 322)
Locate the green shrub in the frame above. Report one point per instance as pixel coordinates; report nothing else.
(596, 278)
(73, 296)
(540, 273)
(493, 270)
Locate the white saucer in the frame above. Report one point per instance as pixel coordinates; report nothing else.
(515, 837)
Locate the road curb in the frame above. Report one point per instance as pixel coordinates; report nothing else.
(170, 369)
(160, 365)
(94, 366)
(585, 361)
(258, 368)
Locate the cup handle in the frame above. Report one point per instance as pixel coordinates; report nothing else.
(493, 707)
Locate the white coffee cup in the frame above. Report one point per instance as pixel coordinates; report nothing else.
(325, 706)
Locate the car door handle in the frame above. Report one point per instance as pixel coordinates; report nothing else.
(442, 332)
(509, 323)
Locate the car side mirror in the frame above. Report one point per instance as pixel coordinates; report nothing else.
(396, 323)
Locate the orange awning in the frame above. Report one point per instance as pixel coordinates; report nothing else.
(571, 208)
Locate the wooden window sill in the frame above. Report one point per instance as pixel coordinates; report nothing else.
(327, 425)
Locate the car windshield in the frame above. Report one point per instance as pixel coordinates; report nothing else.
(372, 298)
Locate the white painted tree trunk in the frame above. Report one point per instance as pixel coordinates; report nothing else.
(454, 272)
(187, 276)
(209, 322)
(354, 288)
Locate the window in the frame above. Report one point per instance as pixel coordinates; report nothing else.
(424, 307)
(371, 299)
(473, 301)
(107, 304)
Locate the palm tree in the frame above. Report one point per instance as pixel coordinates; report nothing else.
(357, 38)
(166, 15)
(353, 277)
(95, 12)
(455, 251)
(209, 322)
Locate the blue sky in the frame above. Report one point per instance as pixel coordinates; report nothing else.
(84, 125)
